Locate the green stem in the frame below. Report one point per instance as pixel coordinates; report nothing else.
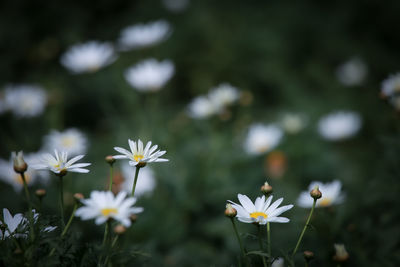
(135, 181)
(105, 238)
(111, 177)
(269, 244)
(306, 264)
(62, 203)
(112, 245)
(261, 245)
(238, 238)
(304, 229)
(28, 199)
(28, 196)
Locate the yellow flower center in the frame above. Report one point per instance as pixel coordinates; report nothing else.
(137, 158)
(325, 202)
(257, 214)
(18, 178)
(67, 141)
(108, 211)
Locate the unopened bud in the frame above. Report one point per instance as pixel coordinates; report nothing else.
(20, 165)
(266, 189)
(40, 193)
(308, 255)
(230, 211)
(78, 197)
(315, 193)
(110, 160)
(133, 218)
(119, 229)
(341, 253)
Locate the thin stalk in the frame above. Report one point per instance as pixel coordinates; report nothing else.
(28, 196)
(62, 203)
(238, 238)
(28, 199)
(135, 181)
(261, 245)
(10, 234)
(305, 228)
(269, 244)
(111, 177)
(105, 238)
(112, 245)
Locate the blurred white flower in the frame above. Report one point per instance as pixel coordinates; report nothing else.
(293, 123)
(352, 72)
(341, 254)
(71, 140)
(138, 154)
(144, 185)
(102, 206)
(176, 5)
(88, 57)
(201, 107)
(339, 125)
(223, 95)
(262, 138)
(331, 195)
(60, 163)
(25, 100)
(150, 75)
(143, 35)
(261, 212)
(391, 85)
(12, 223)
(279, 262)
(8, 175)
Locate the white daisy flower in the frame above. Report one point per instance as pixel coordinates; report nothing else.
(60, 163)
(261, 212)
(279, 262)
(331, 195)
(391, 85)
(339, 125)
(150, 75)
(143, 35)
(25, 100)
(145, 184)
(262, 138)
(201, 107)
(352, 72)
(12, 223)
(138, 154)
(223, 96)
(176, 6)
(102, 205)
(88, 57)
(293, 123)
(71, 140)
(8, 175)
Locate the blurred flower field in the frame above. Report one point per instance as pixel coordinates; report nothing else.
(215, 120)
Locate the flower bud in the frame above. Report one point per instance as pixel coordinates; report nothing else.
(110, 160)
(133, 218)
(78, 197)
(266, 189)
(308, 255)
(315, 193)
(40, 193)
(119, 229)
(341, 253)
(20, 165)
(230, 211)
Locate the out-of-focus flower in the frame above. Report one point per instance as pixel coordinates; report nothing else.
(293, 123)
(25, 100)
(339, 125)
(341, 254)
(176, 6)
(223, 95)
(11, 222)
(331, 195)
(71, 140)
(138, 155)
(143, 35)
(102, 206)
(275, 164)
(20, 165)
(150, 75)
(144, 185)
(8, 175)
(352, 72)
(262, 138)
(88, 57)
(391, 85)
(201, 107)
(279, 262)
(60, 163)
(261, 212)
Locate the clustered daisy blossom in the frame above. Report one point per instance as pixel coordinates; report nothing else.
(88, 57)
(72, 141)
(352, 72)
(144, 185)
(143, 35)
(25, 100)
(331, 195)
(201, 107)
(150, 75)
(140, 155)
(339, 125)
(60, 163)
(261, 212)
(262, 138)
(102, 206)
